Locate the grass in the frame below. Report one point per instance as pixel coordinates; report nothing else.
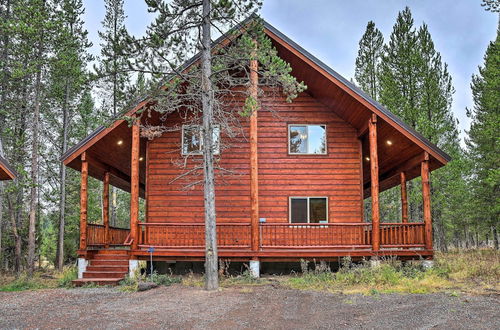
(130, 284)
(39, 280)
(475, 271)
(457, 272)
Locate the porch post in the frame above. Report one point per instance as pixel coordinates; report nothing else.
(254, 161)
(404, 199)
(426, 196)
(372, 130)
(105, 208)
(83, 202)
(134, 186)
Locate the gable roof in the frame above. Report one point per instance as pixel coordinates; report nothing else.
(6, 171)
(382, 111)
(324, 83)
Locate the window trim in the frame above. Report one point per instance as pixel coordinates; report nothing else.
(308, 209)
(307, 128)
(200, 152)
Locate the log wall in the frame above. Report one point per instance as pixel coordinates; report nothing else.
(336, 175)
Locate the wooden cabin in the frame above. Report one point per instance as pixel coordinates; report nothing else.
(303, 198)
(6, 171)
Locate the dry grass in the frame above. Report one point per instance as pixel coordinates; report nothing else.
(476, 272)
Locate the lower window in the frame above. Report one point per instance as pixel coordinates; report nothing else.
(308, 209)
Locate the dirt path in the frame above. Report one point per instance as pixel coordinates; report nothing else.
(264, 307)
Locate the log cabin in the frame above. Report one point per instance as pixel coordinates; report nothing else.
(6, 171)
(300, 187)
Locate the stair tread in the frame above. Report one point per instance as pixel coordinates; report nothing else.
(104, 279)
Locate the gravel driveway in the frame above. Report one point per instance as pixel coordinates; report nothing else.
(264, 307)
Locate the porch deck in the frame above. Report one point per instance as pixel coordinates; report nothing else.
(276, 240)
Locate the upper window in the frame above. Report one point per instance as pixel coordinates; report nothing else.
(308, 209)
(192, 140)
(307, 139)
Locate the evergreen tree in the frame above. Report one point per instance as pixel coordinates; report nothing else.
(113, 75)
(415, 84)
(368, 60)
(68, 78)
(112, 70)
(483, 141)
(203, 93)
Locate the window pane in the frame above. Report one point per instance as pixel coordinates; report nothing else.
(191, 142)
(298, 210)
(317, 210)
(298, 139)
(317, 139)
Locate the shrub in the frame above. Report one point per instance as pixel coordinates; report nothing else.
(66, 277)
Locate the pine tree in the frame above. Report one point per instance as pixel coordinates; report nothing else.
(113, 63)
(68, 77)
(483, 141)
(183, 28)
(415, 84)
(113, 73)
(368, 60)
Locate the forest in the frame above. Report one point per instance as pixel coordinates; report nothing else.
(54, 92)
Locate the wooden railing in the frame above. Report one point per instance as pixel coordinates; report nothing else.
(192, 235)
(315, 235)
(96, 235)
(402, 234)
(271, 235)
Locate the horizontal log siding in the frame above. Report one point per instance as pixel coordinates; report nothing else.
(336, 175)
(172, 202)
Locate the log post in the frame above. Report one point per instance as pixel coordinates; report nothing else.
(404, 199)
(134, 186)
(426, 196)
(372, 129)
(83, 202)
(105, 208)
(254, 161)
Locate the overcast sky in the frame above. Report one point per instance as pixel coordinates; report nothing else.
(331, 29)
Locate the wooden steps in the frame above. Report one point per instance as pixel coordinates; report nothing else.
(108, 267)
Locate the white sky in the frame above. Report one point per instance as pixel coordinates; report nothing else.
(331, 29)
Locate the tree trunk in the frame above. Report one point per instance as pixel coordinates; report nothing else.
(17, 238)
(495, 237)
(34, 174)
(211, 255)
(62, 182)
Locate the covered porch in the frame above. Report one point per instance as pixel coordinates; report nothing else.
(245, 241)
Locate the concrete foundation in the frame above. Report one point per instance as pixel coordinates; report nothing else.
(133, 267)
(428, 264)
(82, 266)
(255, 268)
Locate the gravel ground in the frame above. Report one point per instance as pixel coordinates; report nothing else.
(264, 307)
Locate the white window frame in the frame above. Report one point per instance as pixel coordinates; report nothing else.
(200, 152)
(308, 209)
(307, 145)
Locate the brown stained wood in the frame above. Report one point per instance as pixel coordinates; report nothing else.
(6, 173)
(426, 196)
(254, 160)
(372, 131)
(105, 208)
(404, 199)
(134, 185)
(83, 201)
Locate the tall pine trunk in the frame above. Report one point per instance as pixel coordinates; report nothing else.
(34, 173)
(211, 255)
(62, 180)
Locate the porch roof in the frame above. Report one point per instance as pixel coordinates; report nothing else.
(404, 153)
